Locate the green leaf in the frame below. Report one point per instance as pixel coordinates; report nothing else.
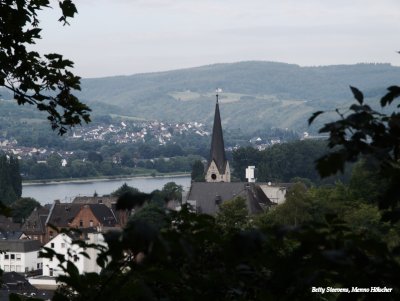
(394, 92)
(313, 116)
(357, 95)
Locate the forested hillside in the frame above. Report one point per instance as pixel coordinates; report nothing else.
(274, 94)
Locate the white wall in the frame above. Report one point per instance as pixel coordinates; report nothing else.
(276, 194)
(62, 244)
(21, 263)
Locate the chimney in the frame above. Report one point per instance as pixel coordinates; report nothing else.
(218, 200)
(250, 174)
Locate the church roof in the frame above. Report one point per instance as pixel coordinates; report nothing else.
(208, 196)
(217, 153)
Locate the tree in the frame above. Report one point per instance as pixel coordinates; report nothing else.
(10, 179)
(364, 132)
(233, 215)
(172, 191)
(197, 174)
(45, 82)
(125, 188)
(22, 208)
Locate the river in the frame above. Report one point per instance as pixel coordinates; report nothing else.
(67, 191)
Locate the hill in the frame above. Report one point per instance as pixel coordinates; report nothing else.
(256, 95)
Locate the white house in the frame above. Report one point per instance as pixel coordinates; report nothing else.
(62, 244)
(20, 255)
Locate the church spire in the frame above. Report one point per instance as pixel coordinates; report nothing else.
(218, 166)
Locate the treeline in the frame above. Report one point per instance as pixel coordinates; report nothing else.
(10, 179)
(284, 162)
(95, 166)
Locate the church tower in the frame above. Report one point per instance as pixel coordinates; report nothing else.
(218, 167)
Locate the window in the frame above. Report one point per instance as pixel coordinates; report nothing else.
(52, 245)
(91, 223)
(18, 256)
(51, 272)
(6, 256)
(81, 223)
(12, 256)
(76, 258)
(18, 268)
(12, 268)
(6, 268)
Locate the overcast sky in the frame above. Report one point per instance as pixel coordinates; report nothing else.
(122, 37)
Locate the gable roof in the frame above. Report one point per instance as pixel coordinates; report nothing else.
(217, 151)
(35, 224)
(62, 214)
(109, 201)
(207, 196)
(104, 214)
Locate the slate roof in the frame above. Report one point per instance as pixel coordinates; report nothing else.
(209, 195)
(11, 234)
(19, 245)
(61, 214)
(104, 214)
(35, 224)
(106, 200)
(16, 283)
(217, 152)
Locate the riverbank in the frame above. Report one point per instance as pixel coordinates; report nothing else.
(102, 179)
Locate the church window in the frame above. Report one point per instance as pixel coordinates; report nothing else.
(214, 176)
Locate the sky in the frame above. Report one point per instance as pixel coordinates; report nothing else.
(123, 37)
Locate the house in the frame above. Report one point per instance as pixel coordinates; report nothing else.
(20, 255)
(63, 244)
(96, 217)
(109, 201)
(35, 225)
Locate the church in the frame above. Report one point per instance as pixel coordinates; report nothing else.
(205, 197)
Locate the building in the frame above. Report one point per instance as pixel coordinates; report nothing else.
(92, 217)
(218, 166)
(63, 244)
(205, 197)
(110, 201)
(20, 255)
(35, 225)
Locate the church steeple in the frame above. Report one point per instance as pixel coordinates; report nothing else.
(218, 167)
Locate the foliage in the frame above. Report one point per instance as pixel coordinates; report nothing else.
(283, 162)
(22, 208)
(365, 132)
(125, 188)
(150, 214)
(45, 82)
(233, 215)
(197, 174)
(172, 191)
(10, 179)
